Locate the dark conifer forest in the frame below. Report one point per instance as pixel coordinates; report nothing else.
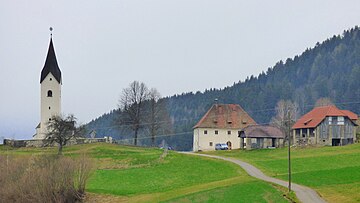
(329, 69)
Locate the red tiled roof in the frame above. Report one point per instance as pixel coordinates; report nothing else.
(228, 116)
(318, 114)
(350, 114)
(262, 131)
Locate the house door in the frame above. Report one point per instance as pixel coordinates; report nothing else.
(229, 144)
(273, 142)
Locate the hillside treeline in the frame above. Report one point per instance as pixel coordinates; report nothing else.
(329, 69)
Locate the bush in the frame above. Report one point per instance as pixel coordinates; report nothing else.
(43, 178)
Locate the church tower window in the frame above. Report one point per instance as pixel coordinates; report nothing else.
(49, 94)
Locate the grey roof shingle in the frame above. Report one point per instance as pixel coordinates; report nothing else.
(261, 131)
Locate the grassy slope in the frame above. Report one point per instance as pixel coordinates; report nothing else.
(243, 192)
(333, 171)
(135, 174)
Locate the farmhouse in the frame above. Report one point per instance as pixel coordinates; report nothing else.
(221, 124)
(261, 136)
(325, 125)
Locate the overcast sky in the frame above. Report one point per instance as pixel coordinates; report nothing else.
(174, 46)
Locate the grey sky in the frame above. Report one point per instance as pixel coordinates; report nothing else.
(174, 46)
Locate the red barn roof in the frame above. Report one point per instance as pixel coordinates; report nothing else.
(318, 114)
(228, 116)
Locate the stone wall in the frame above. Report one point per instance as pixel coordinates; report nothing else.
(46, 143)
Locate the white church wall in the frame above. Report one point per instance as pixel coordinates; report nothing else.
(50, 106)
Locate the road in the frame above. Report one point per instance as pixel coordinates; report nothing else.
(304, 194)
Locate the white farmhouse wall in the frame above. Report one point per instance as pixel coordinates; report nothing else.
(50, 106)
(206, 142)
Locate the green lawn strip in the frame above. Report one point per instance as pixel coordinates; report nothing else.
(321, 168)
(163, 196)
(176, 171)
(341, 192)
(326, 177)
(249, 191)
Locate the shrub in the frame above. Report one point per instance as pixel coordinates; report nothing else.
(43, 178)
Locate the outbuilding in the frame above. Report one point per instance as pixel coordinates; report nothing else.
(261, 136)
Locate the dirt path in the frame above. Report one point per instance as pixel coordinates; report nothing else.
(304, 194)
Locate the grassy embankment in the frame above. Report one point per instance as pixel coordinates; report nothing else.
(134, 174)
(334, 172)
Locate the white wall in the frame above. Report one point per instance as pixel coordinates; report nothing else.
(201, 141)
(50, 106)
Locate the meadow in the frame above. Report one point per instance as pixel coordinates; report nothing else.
(334, 172)
(136, 174)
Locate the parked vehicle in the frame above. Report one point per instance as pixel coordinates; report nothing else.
(220, 146)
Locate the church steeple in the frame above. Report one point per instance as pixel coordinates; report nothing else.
(51, 65)
(50, 92)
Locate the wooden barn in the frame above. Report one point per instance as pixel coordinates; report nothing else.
(261, 136)
(326, 125)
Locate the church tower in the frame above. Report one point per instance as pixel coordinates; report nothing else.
(50, 82)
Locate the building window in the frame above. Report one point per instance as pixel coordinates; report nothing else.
(330, 120)
(49, 107)
(49, 94)
(49, 119)
(50, 79)
(340, 120)
(216, 132)
(205, 132)
(210, 144)
(229, 132)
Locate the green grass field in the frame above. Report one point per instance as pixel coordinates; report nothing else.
(242, 192)
(135, 174)
(333, 171)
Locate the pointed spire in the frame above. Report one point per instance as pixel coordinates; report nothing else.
(51, 65)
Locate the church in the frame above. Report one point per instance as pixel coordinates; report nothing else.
(50, 92)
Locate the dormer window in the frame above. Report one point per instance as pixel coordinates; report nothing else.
(49, 93)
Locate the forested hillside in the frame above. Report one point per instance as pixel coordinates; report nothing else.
(329, 69)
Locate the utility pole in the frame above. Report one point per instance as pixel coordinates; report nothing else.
(289, 143)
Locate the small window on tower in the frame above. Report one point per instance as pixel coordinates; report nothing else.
(50, 79)
(49, 93)
(49, 107)
(49, 119)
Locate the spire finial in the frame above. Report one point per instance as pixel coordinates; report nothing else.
(51, 29)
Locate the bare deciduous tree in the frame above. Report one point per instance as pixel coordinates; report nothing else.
(286, 115)
(132, 106)
(325, 101)
(61, 130)
(157, 115)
